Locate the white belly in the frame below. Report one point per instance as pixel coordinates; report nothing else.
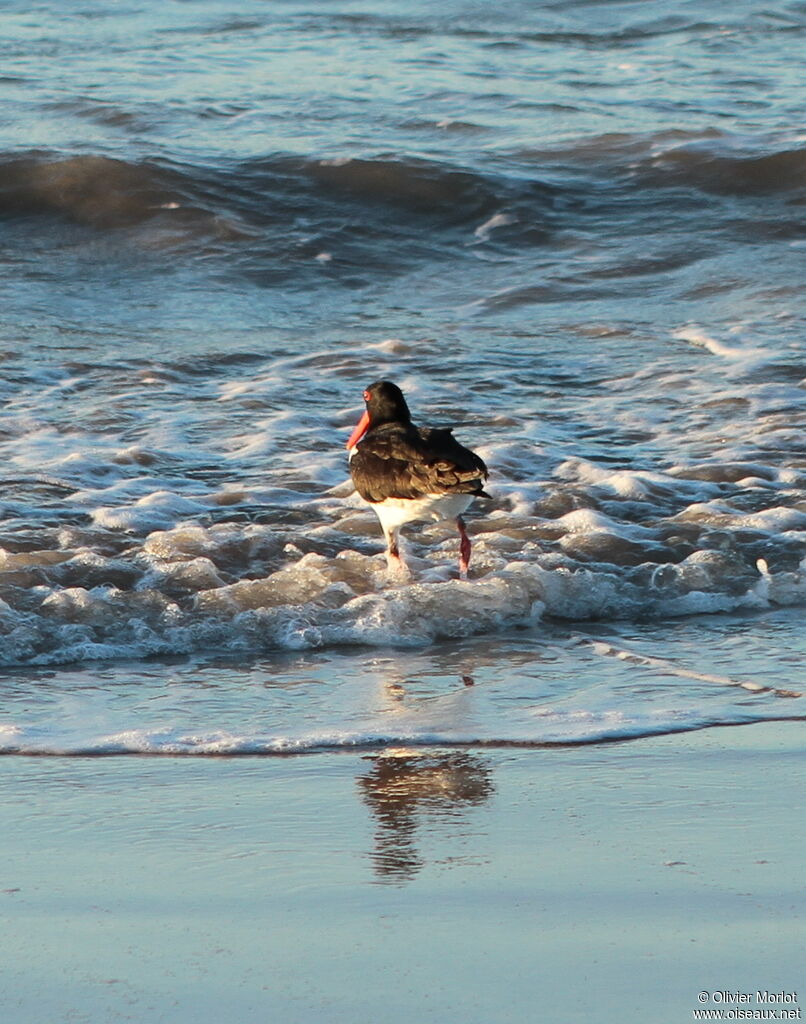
(393, 512)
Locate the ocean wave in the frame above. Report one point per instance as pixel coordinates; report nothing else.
(110, 193)
(226, 518)
(93, 190)
(298, 221)
(723, 169)
(276, 215)
(557, 686)
(560, 25)
(236, 590)
(709, 161)
(551, 728)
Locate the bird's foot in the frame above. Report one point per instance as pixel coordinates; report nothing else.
(396, 567)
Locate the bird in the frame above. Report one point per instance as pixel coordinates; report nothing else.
(409, 473)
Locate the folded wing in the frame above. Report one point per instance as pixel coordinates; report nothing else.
(411, 463)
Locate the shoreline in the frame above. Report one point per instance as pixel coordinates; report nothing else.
(423, 746)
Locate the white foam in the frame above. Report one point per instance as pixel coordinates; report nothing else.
(587, 521)
(328, 602)
(537, 727)
(498, 220)
(732, 353)
(126, 555)
(393, 347)
(157, 510)
(777, 520)
(637, 485)
(669, 667)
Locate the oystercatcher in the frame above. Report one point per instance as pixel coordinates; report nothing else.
(410, 473)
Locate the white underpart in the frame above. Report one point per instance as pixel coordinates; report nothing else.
(394, 512)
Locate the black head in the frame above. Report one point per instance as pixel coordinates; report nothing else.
(386, 404)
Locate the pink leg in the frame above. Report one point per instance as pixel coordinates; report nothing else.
(464, 548)
(393, 557)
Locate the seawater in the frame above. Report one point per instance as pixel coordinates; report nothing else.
(574, 232)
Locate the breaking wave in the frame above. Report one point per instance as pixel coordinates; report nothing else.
(247, 589)
(558, 730)
(331, 213)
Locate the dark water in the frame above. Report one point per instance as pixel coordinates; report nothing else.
(574, 231)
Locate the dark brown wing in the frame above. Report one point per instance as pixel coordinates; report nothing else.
(398, 462)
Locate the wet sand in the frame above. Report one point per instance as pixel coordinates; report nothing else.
(607, 883)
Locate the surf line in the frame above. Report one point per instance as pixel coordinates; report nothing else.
(608, 650)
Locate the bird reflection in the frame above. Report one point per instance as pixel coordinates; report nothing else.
(403, 787)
